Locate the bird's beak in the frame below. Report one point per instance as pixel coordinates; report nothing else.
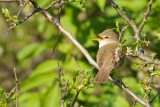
(97, 39)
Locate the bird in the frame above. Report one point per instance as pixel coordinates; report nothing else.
(109, 55)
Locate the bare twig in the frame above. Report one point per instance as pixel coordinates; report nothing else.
(21, 21)
(56, 41)
(59, 12)
(53, 3)
(122, 30)
(148, 60)
(129, 21)
(28, 16)
(78, 91)
(80, 70)
(154, 97)
(134, 103)
(17, 87)
(145, 16)
(11, 92)
(21, 9)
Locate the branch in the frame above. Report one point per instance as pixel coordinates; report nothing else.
(79, 46)
(15, 89)
(78, 91)
(28, 16)
(146, 59)
(21, 21)
(53, 3)
(145, 16)
(121, 32)
(154, 97)
(129, 21)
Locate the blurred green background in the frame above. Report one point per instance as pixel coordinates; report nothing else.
(30, 49)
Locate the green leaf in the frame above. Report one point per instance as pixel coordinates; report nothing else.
(15, 18)
(75, 75)
(155, 73)
(28, 99)
(117, 27)
(64, 48)
(27, 51)
(46, 66)
(51, 95)
(44, 74)
(6, 12)
(43, 3)
(101, 4)
(120, 100)
(38, 80)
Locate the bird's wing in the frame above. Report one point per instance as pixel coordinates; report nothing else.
(107, 52)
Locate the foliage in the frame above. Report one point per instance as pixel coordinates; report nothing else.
(37, 49)
(11, 19)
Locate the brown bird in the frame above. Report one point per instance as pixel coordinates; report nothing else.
(109, 55)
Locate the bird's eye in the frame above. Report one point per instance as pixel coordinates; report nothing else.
(106, 37)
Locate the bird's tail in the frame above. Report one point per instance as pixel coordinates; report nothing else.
(102, 76)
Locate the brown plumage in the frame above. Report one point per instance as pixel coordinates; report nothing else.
(108, 55)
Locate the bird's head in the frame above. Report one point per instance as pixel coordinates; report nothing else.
(106, 37)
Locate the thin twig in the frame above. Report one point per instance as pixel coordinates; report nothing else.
(56, 41)
(78, 91)
(28, 16)
(11, 92)
(129, 21)
(146, 16)
(121, 32)
(21, 9)
(134, 103)
(154, 97)
(75, 98)
(80, 70)
(17, 87)
(21, 21)
(53, 3)
(59, 13)
(148, 60)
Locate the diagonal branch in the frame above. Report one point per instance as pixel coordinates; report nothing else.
(136, 29)
(129, 21)
(85, 52)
